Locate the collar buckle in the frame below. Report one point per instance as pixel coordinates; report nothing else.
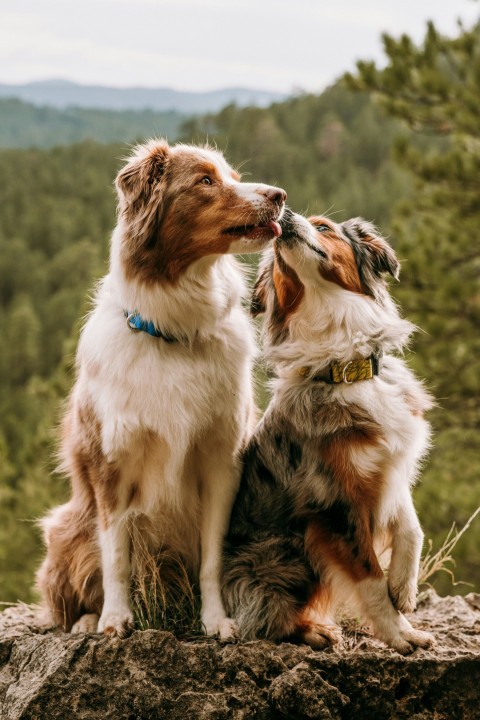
(132, 319)
(136, 323)
(344, 374)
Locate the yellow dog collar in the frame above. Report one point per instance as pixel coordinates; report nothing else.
(348, 373)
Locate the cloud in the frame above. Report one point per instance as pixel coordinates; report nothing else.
(190, 44)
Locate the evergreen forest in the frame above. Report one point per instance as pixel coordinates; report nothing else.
(399, 146)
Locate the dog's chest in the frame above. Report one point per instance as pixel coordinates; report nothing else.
(190, 385)
(149, 386)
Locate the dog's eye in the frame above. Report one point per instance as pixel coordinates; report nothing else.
(206, 180)
(323, 228)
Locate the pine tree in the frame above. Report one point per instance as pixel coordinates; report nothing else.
(435, 90)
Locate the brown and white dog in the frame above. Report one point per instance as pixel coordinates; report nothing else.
(162, 402)
(327, 474)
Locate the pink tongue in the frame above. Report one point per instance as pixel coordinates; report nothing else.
(274, 227)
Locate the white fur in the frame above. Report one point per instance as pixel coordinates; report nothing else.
(389, 625)
(194, 399)
(333, 324)
(173, 416)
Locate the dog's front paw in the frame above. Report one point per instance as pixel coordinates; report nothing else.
(88, 623)
(116, 624)
(225, 628)
(228, 629)
(418, 638)
(404, 597)
(408, 638)
(320, 636)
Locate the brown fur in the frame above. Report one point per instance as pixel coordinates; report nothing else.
(128, 464)
(193, 217)
(73, 534)
(352, 553)
(322, 483)
(314, 624)
(288, 293)
(342, 269)
(288, 288)
(72, 538)
(88, 465)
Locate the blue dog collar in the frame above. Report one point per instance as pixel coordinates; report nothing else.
(136, 323)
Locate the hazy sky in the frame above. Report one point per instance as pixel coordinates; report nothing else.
(206, 44)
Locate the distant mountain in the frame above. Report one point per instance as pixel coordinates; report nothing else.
(63, 93)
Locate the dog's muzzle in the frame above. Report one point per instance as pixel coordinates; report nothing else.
(290, 230)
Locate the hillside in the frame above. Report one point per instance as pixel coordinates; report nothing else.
(331, 151)
(63, 94)
(24, 125)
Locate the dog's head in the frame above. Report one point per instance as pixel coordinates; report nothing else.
(180, 204)
(327, 258)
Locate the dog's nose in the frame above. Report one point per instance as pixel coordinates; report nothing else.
(287, 223)
(276, 195)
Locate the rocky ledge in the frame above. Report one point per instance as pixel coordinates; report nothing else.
(153, 675)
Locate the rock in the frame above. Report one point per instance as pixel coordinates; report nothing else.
(153, 675)
(303, 692)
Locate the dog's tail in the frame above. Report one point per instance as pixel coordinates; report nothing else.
(69, 579)
(266, 583)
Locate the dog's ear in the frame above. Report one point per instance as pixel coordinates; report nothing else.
(263, 285)
(373, 253)
(143, 171)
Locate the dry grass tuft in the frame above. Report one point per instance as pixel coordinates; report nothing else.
(163, 594)
(442, 560)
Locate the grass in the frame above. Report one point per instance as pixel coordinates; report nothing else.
(163, 595)
(442, 560)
